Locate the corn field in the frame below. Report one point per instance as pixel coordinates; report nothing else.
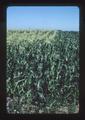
(42, 71)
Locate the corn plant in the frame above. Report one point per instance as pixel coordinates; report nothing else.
(42, 71)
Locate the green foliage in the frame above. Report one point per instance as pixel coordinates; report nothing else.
(42, 70)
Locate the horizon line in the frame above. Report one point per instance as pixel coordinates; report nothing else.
(40, 29)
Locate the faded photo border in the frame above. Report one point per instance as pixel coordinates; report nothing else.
(3, 8)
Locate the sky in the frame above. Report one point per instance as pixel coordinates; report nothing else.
(64, 18)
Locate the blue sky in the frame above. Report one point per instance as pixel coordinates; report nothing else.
(46, 17)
